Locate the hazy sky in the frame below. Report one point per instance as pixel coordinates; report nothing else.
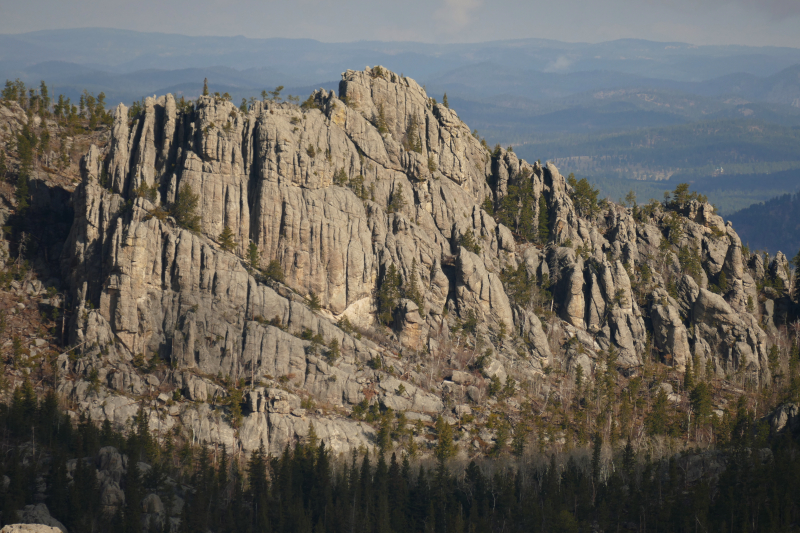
(750, 22)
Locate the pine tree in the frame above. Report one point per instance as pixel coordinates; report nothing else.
(412, 142)
(411, 289)
(388, 295)
(688, 376)
(334, 351)
(397, 202)
(235, 405)
(628, 458)
(657, 420)
(597, 448)
(700, 399)
(313, 302)
(796, 263)
(445, 102)
(379, 121)
(519, 440)
(205, 87)
(226, 240)
(252, 255)
(275, 96)
(385, 432)
(45, 96)
(445, 447)
(3, 167)
(544, 220)
(500, 440)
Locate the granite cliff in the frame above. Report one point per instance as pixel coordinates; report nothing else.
(342, 192)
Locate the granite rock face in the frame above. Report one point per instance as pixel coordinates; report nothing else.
(336, 192)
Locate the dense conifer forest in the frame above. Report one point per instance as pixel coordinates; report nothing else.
(747, 483)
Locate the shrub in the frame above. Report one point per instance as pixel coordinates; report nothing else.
(470, 324)
(147, 192)
(431, 164)
(340, 177)
(274, 271)
(310, 104)
(468, 242)
(333, 351)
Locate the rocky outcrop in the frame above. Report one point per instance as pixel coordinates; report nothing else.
(735, 338)
(669, 331)
(785, 418)
(336, 192)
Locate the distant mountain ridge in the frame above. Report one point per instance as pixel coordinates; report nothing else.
(772, 225)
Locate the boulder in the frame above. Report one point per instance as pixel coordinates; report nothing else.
(30, 528)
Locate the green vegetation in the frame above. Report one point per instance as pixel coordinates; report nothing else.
(252, 255)
(379, 121)
(310, 103)
(274, 271)
(313, 302)
(771, 226)
(543, 218)
(396, 201)
(516, 209)
(184, 210)
(411, 288)
(524, 289)
(411, 140)
(467, 241)
(307, 488)
(226, 240)
(584, 196)
(272, 96)
(682, 196)
(388, 295)
(144, 191)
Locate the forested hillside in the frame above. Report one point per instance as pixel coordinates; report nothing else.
(772, 225)
(745, 482)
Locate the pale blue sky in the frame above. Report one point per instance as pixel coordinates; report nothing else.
(749, 22)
